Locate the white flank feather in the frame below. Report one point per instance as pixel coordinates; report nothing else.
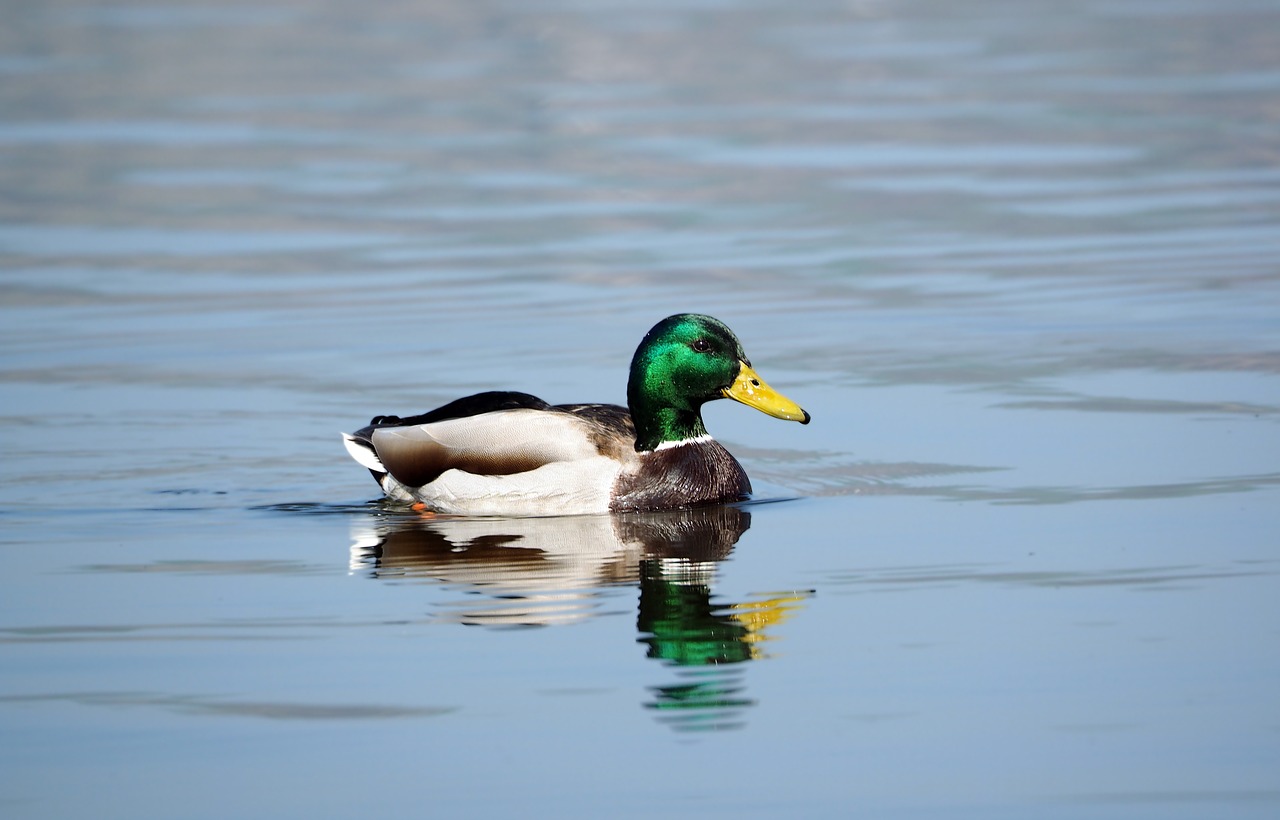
(578, 487)
(527, 433)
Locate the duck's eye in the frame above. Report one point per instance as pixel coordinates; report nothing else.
(701, 346)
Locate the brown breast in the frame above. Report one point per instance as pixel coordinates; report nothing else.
(702, 472)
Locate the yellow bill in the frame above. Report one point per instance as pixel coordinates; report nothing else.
(752, 391)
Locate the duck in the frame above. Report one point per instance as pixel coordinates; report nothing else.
(507, 453)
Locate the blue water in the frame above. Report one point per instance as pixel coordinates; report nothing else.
(1018, 261)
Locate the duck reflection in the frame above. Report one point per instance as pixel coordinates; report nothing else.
(544, 571)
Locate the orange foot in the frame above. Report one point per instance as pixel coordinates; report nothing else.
(419, 507)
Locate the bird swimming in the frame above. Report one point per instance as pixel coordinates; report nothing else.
(511, 453)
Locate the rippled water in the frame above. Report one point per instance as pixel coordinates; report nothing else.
(1017, 259)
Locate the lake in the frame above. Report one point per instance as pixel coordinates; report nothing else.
(1018, 260)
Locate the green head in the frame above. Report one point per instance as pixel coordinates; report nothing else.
(687, 360)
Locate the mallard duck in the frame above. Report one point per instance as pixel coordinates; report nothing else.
(508, 453)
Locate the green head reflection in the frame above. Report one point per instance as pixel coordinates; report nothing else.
(682, 626)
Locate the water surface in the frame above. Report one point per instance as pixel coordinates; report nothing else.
(1018, 261)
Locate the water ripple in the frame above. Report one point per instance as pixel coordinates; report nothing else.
(226, 707)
